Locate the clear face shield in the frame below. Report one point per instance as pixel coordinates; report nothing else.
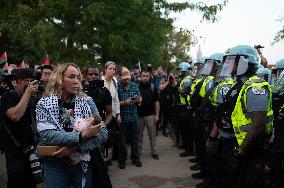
(281, 78)
(278, 73)
(208, 67)
(242, 65)
(228, 66)
(197, 70)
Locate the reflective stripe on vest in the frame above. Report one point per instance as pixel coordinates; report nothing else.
(182, 98)
(240, 123)
(202, 91)
(194, 84)
(226, 81)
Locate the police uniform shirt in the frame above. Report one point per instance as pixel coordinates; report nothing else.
(257, 99)
(222, 92)
(209, 85)
(186, 84)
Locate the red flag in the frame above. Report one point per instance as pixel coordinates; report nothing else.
(46, 61)
(3, 58)
(22, 64)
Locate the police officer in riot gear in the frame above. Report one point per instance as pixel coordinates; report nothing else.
(278, 141)
(264, 73)
(203, 112)
(221, 87)
(279, 67)
(247, 115)
(184, 111)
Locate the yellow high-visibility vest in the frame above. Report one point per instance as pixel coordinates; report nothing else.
(240, 122)
(184, 98)
(226, 81)
(202, 91)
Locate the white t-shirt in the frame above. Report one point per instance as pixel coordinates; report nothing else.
(114, 95)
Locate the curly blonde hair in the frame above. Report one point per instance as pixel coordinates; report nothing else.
(55, 83)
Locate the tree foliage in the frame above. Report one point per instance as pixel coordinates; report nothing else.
(280, 35)
(90, 31)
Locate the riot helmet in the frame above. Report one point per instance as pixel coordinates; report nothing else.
(239, 60)
(184, 66)
(197, 66)
(264, 73)
(213, 64)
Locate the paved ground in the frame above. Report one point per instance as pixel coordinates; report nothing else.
(171, 171)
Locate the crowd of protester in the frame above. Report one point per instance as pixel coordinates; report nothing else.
(73, 123)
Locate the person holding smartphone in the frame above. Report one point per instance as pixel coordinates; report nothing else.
(129, 97)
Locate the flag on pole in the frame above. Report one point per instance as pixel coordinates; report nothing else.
(3, 58)
(46, 61)
(22, 64)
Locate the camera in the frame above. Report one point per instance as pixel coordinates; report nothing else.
(41, 85)
(171, 78)
(35, 164)
(258, 46)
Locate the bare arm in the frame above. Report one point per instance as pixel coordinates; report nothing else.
(215, 131)
(163, 86)
(259, 120)
(157, 107)
(16, 113)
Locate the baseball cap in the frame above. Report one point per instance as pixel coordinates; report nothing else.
(25, 73)
(125, 74)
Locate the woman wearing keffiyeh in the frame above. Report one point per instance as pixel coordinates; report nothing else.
(59, 116)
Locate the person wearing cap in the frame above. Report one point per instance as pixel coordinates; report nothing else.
(129, 97)
(16, 111)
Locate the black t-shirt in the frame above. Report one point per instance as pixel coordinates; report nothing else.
(149, 97)
(22, 130)
(167, 96)
(66, 114)
(101, 97)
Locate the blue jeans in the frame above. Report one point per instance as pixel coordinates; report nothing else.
(58, 173)
(128, 129)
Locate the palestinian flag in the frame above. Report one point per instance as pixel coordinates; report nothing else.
(22, 64)
(3, 58)
(46, 61)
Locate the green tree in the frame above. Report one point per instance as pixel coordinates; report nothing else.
(280, 34)
(88, 31)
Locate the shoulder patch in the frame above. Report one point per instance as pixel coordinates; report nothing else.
(224, 90)
(210, 84)
(258, 90)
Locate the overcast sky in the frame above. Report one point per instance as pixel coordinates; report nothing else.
(240, 22)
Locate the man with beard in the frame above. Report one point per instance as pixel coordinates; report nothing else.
(148, 113)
